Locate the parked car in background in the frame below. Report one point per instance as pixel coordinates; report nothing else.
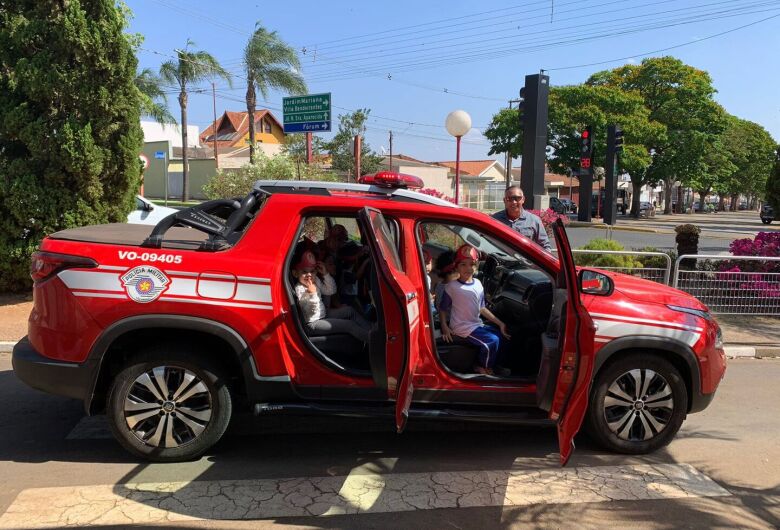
(767, 214)
(148, 213)
(571, 206)
(557, 205)
(646, 209)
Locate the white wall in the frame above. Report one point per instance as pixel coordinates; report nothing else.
(154, 132)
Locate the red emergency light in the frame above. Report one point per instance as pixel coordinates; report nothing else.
(390, 179)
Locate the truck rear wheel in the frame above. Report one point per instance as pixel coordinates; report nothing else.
(167, 405)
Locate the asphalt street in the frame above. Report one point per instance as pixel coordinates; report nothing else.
(723, 470)
(718, 230)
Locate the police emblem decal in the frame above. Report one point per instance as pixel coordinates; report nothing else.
(144, 284)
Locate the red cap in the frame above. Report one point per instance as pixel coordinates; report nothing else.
(307, 261)
(466, 252)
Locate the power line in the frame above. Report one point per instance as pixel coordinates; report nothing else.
(664, 49)
(493, 52)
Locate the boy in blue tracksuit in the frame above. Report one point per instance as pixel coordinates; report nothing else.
(462, 304)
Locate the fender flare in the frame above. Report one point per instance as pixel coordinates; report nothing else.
(162, 321)
(673, 347)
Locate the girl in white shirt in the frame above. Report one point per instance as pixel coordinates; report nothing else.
(314, 282)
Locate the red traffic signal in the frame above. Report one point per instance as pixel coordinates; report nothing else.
(586, 133)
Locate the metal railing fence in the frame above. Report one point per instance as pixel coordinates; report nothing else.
(659, 274)
(729, 290)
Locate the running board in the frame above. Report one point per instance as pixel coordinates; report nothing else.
(523, 417)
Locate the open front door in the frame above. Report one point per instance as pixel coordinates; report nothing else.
(570, 400)
(401, 310)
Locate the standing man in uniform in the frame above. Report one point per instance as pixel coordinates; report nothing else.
(515, 217)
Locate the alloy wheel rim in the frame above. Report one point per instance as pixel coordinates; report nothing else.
(167, 407)
(638, 405)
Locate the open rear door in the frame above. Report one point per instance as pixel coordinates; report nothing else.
(401, 310)
(570, 400)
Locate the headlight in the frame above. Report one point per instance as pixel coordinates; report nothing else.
(703, 314)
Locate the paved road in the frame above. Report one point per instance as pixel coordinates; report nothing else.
(723, 470)
(718, 230)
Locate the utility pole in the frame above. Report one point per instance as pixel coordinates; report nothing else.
(391, 150)
(358, 148)
(214, 100)
(309, 155)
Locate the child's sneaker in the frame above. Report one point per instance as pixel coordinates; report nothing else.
(501, 371)
(482, 370)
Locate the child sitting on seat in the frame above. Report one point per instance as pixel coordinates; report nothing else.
(463, 301)
(314, 282)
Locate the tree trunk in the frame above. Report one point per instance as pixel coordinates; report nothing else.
(734, 201)
(680, 199)
(668, 196)
(185, 178)
(702, 194)
(251, 102)
(721, 203)
(635, 200)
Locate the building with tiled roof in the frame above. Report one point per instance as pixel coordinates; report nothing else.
(232, 132)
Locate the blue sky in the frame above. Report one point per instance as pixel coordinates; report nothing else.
(412, 63)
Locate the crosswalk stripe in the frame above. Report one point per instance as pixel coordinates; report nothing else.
(364, 491)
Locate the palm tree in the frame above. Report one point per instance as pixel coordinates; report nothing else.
(269, 63)
(154, 102)
(190, 67)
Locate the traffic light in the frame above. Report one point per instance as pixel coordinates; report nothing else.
(586, 147)
(618, 139)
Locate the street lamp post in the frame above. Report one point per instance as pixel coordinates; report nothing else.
(458, 123)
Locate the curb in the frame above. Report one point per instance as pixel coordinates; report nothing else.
(582, 224)
(7, 346)
(760, 352)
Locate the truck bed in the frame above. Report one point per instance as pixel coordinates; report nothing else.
(133, 235)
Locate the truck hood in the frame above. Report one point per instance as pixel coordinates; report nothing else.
(648, 291)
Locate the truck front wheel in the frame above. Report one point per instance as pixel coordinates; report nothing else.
(638, 404)
(166, 405)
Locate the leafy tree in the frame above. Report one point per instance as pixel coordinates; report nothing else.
(69, 124)
(295, 148)
(574, 107)
(190, 67)
(505, 134)
(773, 183)
(680, 98)
(238, 182)
(751, 149)
(351, 125)
(269, 63)
(154, 102)
(714, 171)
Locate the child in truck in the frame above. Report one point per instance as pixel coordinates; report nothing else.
(314, 282)
(463, 303)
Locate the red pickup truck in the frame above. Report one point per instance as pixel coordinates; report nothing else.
(166, 332)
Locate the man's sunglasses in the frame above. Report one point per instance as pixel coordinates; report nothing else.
(514, 198)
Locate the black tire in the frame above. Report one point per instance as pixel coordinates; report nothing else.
(162, 431)
(622, 426)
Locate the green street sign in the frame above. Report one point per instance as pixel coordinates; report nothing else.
(309, 113)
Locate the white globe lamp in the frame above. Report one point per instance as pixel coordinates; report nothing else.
(458, 124)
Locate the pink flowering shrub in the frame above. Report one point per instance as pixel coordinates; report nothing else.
(434, 193)
(548, 217)
(764, 286)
